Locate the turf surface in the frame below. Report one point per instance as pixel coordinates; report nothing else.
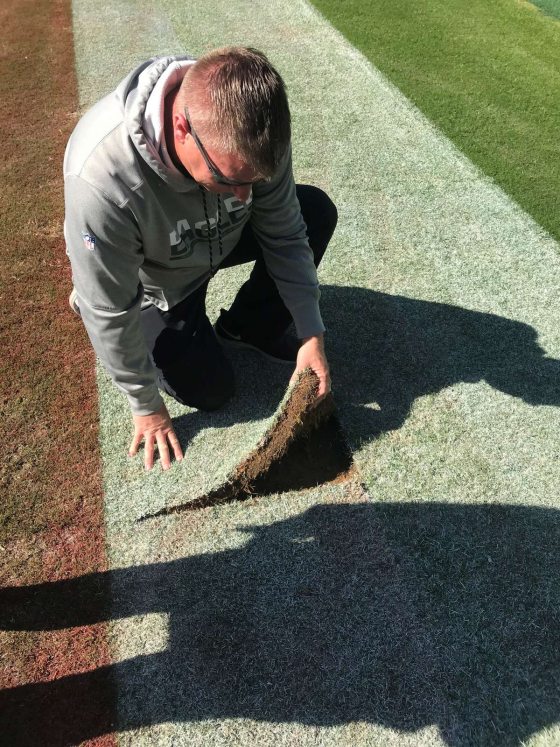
(448, 400)
(51, 519)
(486, 73)
(550, 7)
(425, 610)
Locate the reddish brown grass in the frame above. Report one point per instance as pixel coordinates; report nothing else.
(51, 521)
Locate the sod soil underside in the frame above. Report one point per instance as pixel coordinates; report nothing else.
(304, 447)
(51, 521)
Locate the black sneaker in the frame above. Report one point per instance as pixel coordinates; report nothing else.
(73, 301)
(283, 349)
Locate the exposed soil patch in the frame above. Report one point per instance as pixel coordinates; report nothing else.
(304, 448)
(314, 458)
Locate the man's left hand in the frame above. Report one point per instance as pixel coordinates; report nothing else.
(312, 355)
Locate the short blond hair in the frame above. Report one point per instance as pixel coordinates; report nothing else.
(238, 105)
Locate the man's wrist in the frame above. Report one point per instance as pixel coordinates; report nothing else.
(319, 338)
(149, 407)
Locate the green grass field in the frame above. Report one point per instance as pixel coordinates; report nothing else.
(550, 7)
(486, 73)
(417, 604)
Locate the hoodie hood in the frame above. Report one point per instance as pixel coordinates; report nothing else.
(142, 94)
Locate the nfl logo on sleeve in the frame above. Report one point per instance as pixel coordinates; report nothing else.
(89, 241)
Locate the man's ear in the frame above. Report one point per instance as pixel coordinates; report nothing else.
(180, 127)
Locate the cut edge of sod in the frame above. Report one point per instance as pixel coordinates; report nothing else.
(305, 442)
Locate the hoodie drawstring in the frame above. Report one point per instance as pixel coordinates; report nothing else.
(219, 228)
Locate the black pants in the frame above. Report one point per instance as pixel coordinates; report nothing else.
(189, 360)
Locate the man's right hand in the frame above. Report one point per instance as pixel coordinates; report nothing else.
(155, 429)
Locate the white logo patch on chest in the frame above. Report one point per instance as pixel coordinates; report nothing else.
(89, 241)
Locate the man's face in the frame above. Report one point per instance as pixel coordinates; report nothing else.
(192, 154)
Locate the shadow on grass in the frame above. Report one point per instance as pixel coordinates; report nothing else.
(390, 350)
(260, 387)
(402, 615)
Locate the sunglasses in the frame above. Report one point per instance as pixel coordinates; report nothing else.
(217, 175)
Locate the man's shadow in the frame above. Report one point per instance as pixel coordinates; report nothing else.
(402, 615)
(390, 350)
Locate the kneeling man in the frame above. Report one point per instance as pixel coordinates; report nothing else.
(183, 170)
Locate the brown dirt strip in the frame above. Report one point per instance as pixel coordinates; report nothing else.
(51, 517)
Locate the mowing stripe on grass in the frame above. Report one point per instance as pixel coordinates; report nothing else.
(550, 7)
(485, 73)
(440, 298)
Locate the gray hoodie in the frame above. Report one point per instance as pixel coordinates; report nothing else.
(136, 232)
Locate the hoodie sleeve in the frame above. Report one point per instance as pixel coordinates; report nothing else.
(278, 224)
(105, 251)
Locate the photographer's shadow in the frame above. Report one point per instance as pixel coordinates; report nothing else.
(389, 350)
(400, 615)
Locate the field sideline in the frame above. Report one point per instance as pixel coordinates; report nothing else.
(415, 605)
